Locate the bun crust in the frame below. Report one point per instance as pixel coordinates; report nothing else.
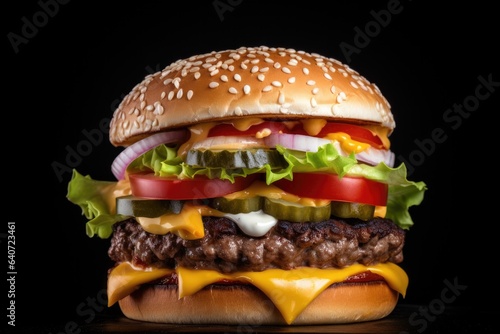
(245, 304)
(248, 82)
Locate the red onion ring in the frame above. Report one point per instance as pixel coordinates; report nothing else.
(129, 154)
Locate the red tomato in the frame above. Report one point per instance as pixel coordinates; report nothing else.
(150, 186)
(331, 187)
(356, 132)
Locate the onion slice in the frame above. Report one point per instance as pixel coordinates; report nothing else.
(371, 155)
(296, 142)
(129, 154)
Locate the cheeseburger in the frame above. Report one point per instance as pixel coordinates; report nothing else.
(256, 186)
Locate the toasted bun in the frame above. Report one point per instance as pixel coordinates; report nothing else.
(252, 82)
(244, 304)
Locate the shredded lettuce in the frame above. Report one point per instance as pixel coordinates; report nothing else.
(97, 200)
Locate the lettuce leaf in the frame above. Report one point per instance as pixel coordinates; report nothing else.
(97, 201)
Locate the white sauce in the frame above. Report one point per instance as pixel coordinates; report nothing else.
(255, 224)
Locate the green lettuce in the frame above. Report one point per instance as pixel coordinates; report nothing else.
(96, 199)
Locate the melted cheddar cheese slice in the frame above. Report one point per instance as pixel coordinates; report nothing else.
(290, 290)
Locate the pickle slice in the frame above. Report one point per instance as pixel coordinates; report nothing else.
(150, 208)
(239, 205)
(284, 210)
(352, 210)
(255, 158)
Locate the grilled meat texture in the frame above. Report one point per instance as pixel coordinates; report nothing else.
(330, 244)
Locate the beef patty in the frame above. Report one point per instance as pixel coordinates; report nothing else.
(333, 243)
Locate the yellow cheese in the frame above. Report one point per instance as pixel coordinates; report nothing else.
(125, 279)
(259, 188)
(290, 290)
(187, 224)
(349, 145)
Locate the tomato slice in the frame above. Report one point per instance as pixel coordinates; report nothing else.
(356, 132)
(331, 187)
(230, 130)
(150, 186)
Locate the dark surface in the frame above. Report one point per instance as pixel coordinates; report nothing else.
(437, 66)
(404, 319)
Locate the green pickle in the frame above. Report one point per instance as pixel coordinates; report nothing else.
(295, 212)
(150, 208)
(352, 210)
(236, 206)
(255, 158)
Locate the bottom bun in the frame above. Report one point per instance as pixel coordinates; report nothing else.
(245, 304)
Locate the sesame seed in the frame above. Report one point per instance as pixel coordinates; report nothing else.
(190, 94)
(314, 104)
(291, 80)
(214, 72)
(224, 78)
(310, 82)
(150, 108)
(213, 84)
(197, 75)
(315, 90)
(341, 97)
(237, 77)
(328, 76)
(276, 84)
(261, 77)
(246, 89)
(254, 69)
(158, 109)
(332, 89)
(277, 65)
(267, 88)
(170, 95)
(281, 98)
(286, 70)
(292, 62)
(269, 60)
(176, 82)
(167, 81)
(233, 90)
(305, 70)
(255, 61)
(354, 84)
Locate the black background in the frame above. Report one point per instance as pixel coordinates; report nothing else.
(67, 75)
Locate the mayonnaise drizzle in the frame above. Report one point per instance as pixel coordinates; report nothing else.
(255, 224)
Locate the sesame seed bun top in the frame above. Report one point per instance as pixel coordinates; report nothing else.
(275, 83)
